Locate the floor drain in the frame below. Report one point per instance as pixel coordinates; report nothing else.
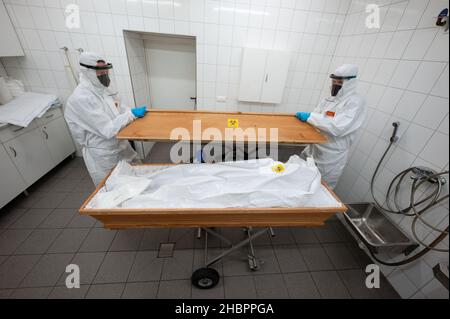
(166, 250)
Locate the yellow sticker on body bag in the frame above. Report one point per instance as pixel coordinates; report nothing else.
(279, 168)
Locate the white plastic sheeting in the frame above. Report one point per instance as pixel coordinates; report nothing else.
(247, 184)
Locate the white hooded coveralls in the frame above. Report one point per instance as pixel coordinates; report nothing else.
(339, 118)
(94, 120)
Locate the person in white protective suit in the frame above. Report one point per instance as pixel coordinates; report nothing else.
(339, 117)
(94, 118)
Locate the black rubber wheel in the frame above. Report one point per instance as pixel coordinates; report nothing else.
(205, 278)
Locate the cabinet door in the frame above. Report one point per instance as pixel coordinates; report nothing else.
(277, 68)
(10, 42)
(252, 74)
(59, 141)
(30, 155)
(11, 183)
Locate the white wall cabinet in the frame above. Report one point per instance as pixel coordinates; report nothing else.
(28, 154)
(10, 42)
(11, 182)
(263, 75)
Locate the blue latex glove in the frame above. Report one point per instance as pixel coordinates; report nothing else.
(303, 116)
(139, 112)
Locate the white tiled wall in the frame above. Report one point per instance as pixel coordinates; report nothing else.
(404, 72)
(134, 44)
(405, 77)
(309, 29)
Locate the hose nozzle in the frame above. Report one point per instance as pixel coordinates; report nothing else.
(394, 137)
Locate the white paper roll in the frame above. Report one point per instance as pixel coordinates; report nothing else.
(5, 94)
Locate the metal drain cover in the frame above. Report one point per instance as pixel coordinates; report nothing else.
(166, 250)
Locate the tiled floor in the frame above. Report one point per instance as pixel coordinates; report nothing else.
(42, 233)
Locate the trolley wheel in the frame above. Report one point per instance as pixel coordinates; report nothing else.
(205, 278)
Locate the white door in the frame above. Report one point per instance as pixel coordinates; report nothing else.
(11, 183)
(171, 63)
(252, 74)
(277, 68)
(58, 139)
(30, 155)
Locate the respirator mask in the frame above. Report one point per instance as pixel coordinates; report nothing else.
(102, 70)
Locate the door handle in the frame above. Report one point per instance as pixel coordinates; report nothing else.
(267, 78)
(194, 98)
(13, 150)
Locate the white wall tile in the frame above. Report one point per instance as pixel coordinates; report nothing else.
(426, 76)
(404, 74)
(409, 104)
(419, 44)
(415, 138)
(432, 112)
(436, 151)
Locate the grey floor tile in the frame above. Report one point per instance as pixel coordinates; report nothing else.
(140, 290)
(182, 237)
(73, 200)
(5, 293)
(59, 218)
(11, 239)
(89, 264)
(270, 287)
(48, 200)
(153, 238)
(127, 240)
(69, 240)
(240, 287)
(15, 268)
(179, 266)
(290, 259)
(3, 258)
(283, 236)
(81, 221)
(359, 255)
(213, 241)
(63, 292)
(340, 256)
(84, 186)
(9, 215)
(31, 293)
(38, 242)
(316, 258)
(115, 267)
(355, 281)
(263, 240)
(98, 240)
(76, 173)
(301, 286)
(147, 267)
(304, 236)
(29, 201)
(235, 235)
(218, 292)
(237, 264)
(47, 271)
(175, 289)
(62, 186)
(105, 291)
(386, 290)
(31, 219)
(330, 285)
(342, 231)
(327, 234)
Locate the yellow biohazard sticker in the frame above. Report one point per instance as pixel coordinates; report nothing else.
(233, 123)
(279, 168)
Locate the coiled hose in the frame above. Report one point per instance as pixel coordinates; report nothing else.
(429, 201)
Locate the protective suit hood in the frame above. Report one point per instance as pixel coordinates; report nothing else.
(89, 76)
(348, 73)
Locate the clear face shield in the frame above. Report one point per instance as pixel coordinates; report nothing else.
(103, 71)
(337, 82)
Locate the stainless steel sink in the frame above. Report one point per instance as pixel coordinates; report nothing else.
(378, 232)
